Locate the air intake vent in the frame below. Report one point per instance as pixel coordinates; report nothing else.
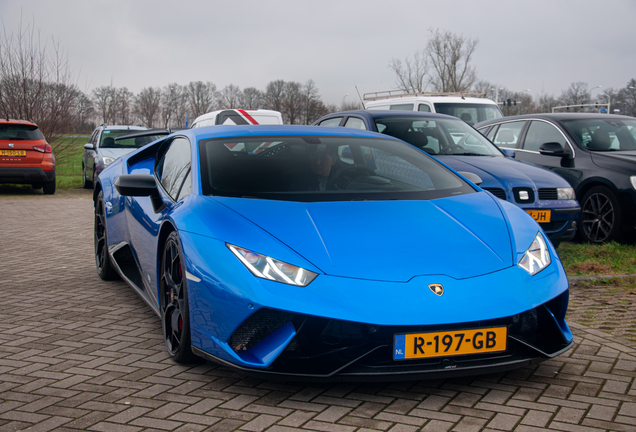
(257, 327)
(498, 192)
(548, 194)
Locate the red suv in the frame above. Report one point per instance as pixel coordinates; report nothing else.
(25, 156)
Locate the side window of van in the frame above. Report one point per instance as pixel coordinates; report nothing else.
(402, 107)
(424, 108)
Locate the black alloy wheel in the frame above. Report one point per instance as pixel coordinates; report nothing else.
(105, 268)
(600, 215)
(174, 302)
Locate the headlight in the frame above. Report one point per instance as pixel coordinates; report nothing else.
(107, 160)
(565, 193)
(269, 268)
(537, 257)
(633, 180)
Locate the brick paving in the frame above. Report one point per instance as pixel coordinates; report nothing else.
(78, 353)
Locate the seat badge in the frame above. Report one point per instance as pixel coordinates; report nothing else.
(438, 289)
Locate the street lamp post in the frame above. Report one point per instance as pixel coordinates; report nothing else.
(497, 94)
(519, 104)
(594, 88)
(608, 101)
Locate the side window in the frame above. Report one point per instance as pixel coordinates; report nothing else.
(402, 107)
(424, 108)
(508, 134)
(332, 122)
(93, 139)
(174, 167)
(491, 134)
(540, 133)
(355, 123)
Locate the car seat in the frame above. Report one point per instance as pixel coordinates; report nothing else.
(418, 139)
(108, 142)
(467, 118)
(600, 140)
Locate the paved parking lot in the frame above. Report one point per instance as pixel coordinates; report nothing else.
(78, 353)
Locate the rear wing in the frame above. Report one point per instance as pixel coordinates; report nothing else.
(391, 94)
(148, 132)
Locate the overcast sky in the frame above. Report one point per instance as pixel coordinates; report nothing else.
(538, 45)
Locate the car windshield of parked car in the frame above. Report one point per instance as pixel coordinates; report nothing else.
(108, 139)
(470, 113)
(604, 134)
(438, 136)
(323, 168)
(17, 132)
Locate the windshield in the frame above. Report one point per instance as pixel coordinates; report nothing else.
(469, 112)
(108, 139)
(604, 134)
(319, 168)
(15, 132)
(438, 136)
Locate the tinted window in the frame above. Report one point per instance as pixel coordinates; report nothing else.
(603, 134)
(424, 108)
(438, 136)
(402, 107)
(318, 168)
(17, 132)
(355, 123)
(508, 134)
(470, 113)
(331, 122)
(174, 167)
(540, 133)
(491, 134)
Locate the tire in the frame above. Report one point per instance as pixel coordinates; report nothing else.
(105, 268)
(175, 316)
(49, 187)
(85, 183)
(600, 216)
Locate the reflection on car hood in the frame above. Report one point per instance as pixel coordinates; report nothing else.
(115, 152)
(618, 160)
(460, 237)
(503, 172)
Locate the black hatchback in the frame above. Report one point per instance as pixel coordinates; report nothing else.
(595, 153)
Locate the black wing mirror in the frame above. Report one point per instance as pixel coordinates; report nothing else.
(140, 185)
(552, 149)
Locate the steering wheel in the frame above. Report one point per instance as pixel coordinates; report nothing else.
(452, 149)
(346, 175)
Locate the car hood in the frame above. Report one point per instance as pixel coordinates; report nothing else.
(115, 152)
(504, 172)
(623, 160)
(460, 237)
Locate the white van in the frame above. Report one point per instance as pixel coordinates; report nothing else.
(238, 117)
(470, 107)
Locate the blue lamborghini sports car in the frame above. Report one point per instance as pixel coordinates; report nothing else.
(327, 253)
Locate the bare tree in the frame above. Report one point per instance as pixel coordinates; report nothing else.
(148, 106)
(628, 98)
(124, 100)
(576, 94)
(293, 103)
(450, 57)
(201, 97)
(231, 97)
(36, 82)
(274, 95)
(171, 96)
(412, 76)
(252, 98)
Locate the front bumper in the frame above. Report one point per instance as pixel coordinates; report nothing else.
(322, 348)
(25, 175)
(563, 224)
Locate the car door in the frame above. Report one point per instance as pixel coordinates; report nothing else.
(89, 155)
(540, 132)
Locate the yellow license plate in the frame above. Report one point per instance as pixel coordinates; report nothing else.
(541, 216)
(20, 153)
(449, 343)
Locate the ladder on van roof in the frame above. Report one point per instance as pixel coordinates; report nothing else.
(390, 94)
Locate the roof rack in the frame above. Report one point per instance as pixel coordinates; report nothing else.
(389, 94)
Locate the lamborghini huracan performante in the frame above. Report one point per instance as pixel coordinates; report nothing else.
(327, 253)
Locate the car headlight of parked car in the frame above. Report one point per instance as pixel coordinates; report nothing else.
(537, 257)
(269, 268)
(633, 180)
(107, 160)
(565, 193)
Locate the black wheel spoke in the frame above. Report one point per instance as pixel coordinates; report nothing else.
(598, 217)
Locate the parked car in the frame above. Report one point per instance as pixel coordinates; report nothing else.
(253, 261)
(543, 194)
(238, 117)
(103, 148)
(470, 107)
(25, 156)
(595, 153)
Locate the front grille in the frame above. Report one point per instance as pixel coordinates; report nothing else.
(498, 192)
(548, 194)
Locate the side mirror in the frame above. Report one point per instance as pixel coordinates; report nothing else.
(140, 185)
(552, 149)
(509, 152)
(89, 146)
(472, 177)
